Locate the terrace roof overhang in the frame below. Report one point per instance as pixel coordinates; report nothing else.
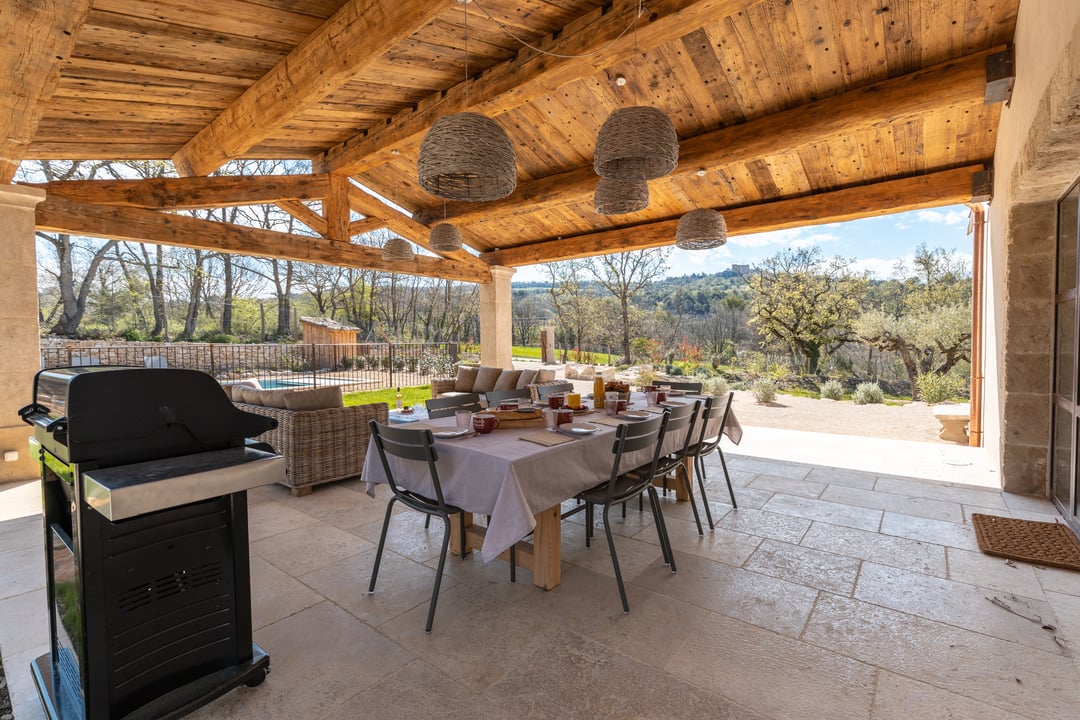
(788, 114)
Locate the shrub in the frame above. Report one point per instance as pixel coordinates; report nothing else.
(764, 390)
(212, 336)
(832, 390)
(937, 387)
(715, 386)
(868, 393)
(132, 334)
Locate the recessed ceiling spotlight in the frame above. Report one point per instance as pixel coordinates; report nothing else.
(700, 172)
(620, 80)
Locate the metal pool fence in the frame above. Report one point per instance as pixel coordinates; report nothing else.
(361, 366)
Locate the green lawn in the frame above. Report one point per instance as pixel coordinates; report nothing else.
(523, 352)
(409, 396)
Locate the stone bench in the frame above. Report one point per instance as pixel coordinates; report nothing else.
(954, 421)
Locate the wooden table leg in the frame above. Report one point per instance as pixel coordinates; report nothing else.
(673, 483)
(455, 534)
(543, 556)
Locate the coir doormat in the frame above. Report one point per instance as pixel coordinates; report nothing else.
(1041, 543)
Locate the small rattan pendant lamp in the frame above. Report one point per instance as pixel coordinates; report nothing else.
(618, 197)
(701, 229)
(445, 238)
(397, 249)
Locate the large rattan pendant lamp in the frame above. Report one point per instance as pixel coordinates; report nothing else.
(397, 249)
(466, 155)
(701, 229)
(618, 197)
(636, 143)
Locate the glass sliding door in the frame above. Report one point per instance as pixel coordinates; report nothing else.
(1064, 466)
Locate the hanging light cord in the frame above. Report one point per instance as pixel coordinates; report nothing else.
(632, 25)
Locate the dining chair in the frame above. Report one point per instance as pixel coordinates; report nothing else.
(690, 387)
(623, 486)
(681, 419)
(447, 405)
(494, 397)
(705, 444)
(542, 391)
(417, 446)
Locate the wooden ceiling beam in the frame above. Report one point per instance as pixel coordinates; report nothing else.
(948, 187)
(38, 39)
(589, 44)
(191, 193)
(140, 225)
(896, 101)
(306, 215)
(351, 40)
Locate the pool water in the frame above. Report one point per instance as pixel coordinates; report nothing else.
(279, 384)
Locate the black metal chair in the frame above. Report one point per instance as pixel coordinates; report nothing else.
(494, 397)
(681, 418)
(623, 486)
(542, 391)
(712, 412)
(448, 405)
(417, 446)
(690, 387)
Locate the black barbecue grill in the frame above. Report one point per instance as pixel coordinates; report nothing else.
(144, 478)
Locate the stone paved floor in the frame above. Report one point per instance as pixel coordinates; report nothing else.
(832, 592)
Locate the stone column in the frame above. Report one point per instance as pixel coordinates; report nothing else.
(20, 357)
(496, 326)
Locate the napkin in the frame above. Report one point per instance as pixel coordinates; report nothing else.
(545, 438)
(606, 420)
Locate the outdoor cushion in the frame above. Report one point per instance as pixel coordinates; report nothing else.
(526, 378)
(314, 399)
(272, 398)
(507, 380)
(466, 378)
(544, 376)
(249, 395)
(486, 379)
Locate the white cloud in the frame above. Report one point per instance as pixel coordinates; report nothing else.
(936, 217)
(879, 268)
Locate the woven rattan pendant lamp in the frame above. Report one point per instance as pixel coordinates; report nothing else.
(445, 238)
(618, 197)
(636, 143)
(466, 155)
(397, 249)
(701, 229)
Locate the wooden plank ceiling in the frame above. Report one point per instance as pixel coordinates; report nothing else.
(788, 112)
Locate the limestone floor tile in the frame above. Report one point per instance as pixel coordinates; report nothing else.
(319, 659)
(976, 568)
(768, 602)
(801, 487)
(309, 548)
(917, 506)
(806, 566)
(684, 510)
(476, 638)
(594, 682)
(966, 494)
(1029, 504)
(1067, 611)
(1004, 674)
(20, 499)
(267, 519)
(778, 676)
(20, 533)
(268, 493)
(407, 535)
(340, 506)
(938, 532)
(822, 511)
(759, 466)
(843, 477)
(901, 698)
(636, 556)
(24, 696)
(419, 691)
(762, 523)
(746, 497)
(276, 595)
(26, 622)
(1066, 582)
(22, 570)
(883, 549)
(959, 604)
(402, 584)
(720, 545)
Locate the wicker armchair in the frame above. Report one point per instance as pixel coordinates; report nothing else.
(320, 445)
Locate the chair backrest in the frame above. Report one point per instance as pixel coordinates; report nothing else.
(691, 387)
(416, 445)
(448, 405)
(494, 397)
(633, 436)
(712, 412)
(542, 391)
(681, 418)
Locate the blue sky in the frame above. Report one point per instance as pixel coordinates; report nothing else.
(875, 243)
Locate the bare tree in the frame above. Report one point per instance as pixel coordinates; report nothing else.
(624, 275)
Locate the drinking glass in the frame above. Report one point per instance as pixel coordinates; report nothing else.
(463, 419)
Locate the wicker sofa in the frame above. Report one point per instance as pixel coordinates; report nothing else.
(482, 379)
(319, 445)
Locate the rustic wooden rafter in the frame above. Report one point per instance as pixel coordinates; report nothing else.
(191, 192)
(892, 102)
(591, 43)
(141, 225)
(349, 41)
(948, 187)
(46, 33)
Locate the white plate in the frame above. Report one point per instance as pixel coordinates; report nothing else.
(634, 415)
(580, 428)
(451, 433)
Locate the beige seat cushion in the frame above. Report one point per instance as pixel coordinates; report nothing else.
(249, 395)
(544, 376)
(527, 377)
(314, 399)
(507, 380)
(273, 398)
(486, 379)
(466, 378)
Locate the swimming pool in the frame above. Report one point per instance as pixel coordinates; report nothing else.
(279, 384)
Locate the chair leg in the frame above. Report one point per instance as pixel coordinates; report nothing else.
(731, 491)
(662, 527)
(615, 561)
(699, 468)
(690, 495)
(427, 521)
(513, 563)
(438, 573)
(588, 523)
(461, 518)
(664, 549)
(382, 542)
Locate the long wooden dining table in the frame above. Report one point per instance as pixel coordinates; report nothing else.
(520, 483)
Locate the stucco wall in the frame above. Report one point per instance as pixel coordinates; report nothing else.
(1037, 156)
